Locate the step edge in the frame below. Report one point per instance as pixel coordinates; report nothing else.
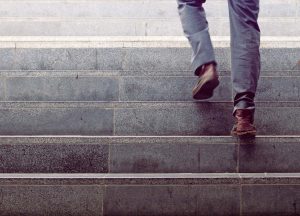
(151, 179)
(126, 18)
(130, 42)
(147, 175)
(137, 137)
(134, 104)
(14, 140)
(133, 74)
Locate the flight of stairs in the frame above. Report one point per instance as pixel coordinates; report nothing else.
(97, 117)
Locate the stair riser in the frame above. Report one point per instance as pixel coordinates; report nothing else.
(66, 88)
(147, 119)
(51, 200)
(53, 158)
(134, 9)
(202, 119)
(134, 27)
(150, 200)
(137, 88)
(85, 121)
(152, 60)
(197, 200)
(151, 156)
(210, 158)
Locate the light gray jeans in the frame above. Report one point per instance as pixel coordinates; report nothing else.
(245, 42)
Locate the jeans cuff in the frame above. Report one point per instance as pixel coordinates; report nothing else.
(244, 101)
(237, 108)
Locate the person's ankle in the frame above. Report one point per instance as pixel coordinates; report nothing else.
(203, 68)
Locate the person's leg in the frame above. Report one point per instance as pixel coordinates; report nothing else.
(195, 28)
(245, 55)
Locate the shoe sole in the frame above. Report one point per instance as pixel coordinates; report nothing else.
(205, 90)
(245, 134)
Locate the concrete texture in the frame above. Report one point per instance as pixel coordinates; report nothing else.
(54, 59)
(111, 154)
(163, 194)
(2, 89)
(202, 119)
(62, 88)
(157, 60)
(133, 179)
(269, 157)
(169, 200)
(56, 121)
(194, 120)
(134, 9)
(114, 26)
(53, 158)
(71, 27)
(167, 89)
(51, 200)
(280, 88)
(110, 58)
(7, 56)
(119, 86)
(127, 17)
(270, 119)
(174, 158)
(90, 197)
(141, 118)
(267, 200)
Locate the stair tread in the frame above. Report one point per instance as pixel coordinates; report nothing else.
(79, 139)
(137, 54)
(132, 73)
(132, 41)
(135, 104)
(151, 179)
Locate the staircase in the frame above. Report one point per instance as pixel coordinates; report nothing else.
(97, 117)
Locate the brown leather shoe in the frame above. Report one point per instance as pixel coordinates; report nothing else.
(244, 123)
(208, 81)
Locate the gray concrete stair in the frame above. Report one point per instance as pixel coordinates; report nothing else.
(119, 86)
(134, 55)
(155, 154)
(125, 86)
(150, 194)
(132, 27)
(141, 118)
(135, 18)
(105, 72)
(129, 145)
(132, 8)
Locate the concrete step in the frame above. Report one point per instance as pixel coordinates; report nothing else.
(133, 26)
(132, 9)
(71, 85)
(154, 55)
(152, 194)
(127, 17)
(164, 154)
(141, 118)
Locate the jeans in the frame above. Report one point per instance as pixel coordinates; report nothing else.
(245, 42)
